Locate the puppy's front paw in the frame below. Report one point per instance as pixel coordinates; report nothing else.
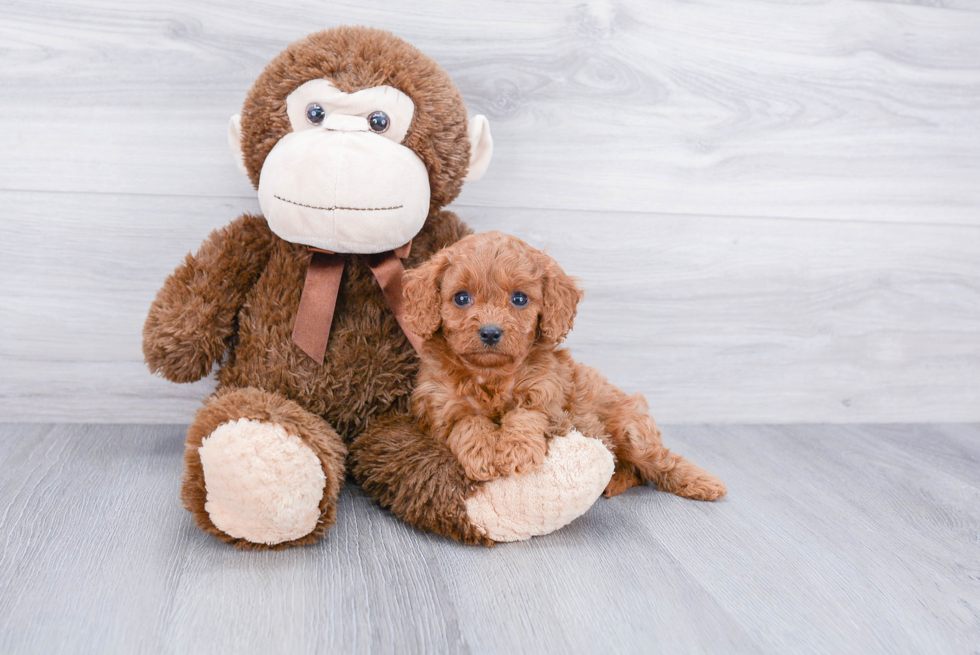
(518, 453)
(473, 440)
(478, 461)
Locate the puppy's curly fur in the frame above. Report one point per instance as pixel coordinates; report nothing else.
(494, 384)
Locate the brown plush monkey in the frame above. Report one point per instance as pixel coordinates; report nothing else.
(355, 142)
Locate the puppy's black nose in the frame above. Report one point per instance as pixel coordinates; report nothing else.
(490, 334)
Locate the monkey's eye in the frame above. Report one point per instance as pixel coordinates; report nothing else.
(315, 113)
(462, 298)
(519, 299)
(379, 122)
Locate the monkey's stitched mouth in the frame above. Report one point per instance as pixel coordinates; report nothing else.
(327, 209)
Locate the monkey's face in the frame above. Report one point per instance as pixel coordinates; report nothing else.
(353, 137)
(341, 180)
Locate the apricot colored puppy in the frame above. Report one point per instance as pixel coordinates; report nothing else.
(496, 386)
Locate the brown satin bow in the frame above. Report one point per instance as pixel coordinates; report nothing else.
(316, 306)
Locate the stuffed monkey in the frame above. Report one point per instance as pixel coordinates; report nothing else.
(355, 141)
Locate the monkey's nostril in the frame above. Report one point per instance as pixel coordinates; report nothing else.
(490, 334)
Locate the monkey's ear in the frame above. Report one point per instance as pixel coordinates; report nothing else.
(421, 292)
(561, 298)
(235, 141)
(481, 147)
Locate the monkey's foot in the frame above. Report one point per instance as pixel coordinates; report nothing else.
(263, 484)
(260, 471)
(568, 482)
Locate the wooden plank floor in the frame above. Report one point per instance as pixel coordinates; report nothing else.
(841, 539)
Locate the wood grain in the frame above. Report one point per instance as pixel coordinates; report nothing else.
(840, 539)
(846, 110)
(774, 206)
(716, 319)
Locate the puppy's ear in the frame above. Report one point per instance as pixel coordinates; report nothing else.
(421, 291)
(561, 298)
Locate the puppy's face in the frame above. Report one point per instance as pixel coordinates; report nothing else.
(490, 306)
(493, 297)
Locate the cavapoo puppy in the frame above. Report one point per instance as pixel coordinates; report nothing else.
(496, 386)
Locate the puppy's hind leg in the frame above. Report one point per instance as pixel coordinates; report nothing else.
(638, 444)
(624, 477)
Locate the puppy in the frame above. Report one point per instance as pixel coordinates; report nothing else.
(495, 385)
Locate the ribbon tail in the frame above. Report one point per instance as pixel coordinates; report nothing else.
(311, 331)
(388, 270)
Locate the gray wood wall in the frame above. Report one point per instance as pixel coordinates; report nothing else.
(774, 207)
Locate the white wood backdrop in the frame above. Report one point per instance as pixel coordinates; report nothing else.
(774, 206)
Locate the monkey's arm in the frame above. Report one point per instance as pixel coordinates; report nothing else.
(194, 313)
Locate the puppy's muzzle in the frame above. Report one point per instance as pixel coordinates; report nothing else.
(490, 334)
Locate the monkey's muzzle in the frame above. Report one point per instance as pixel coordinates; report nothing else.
(344, 189)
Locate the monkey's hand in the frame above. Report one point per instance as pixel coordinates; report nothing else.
(194, 313)
(473, 440)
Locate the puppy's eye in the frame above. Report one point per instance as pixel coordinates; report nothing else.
(462, 298)
(315, 113)
(519, 299)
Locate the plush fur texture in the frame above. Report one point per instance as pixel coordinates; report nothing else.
(264, 484)
(230, 405)
(236, 298)
(510, 508)
(417, 477)
(495, 406)
(565, 486)
(356, 58)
